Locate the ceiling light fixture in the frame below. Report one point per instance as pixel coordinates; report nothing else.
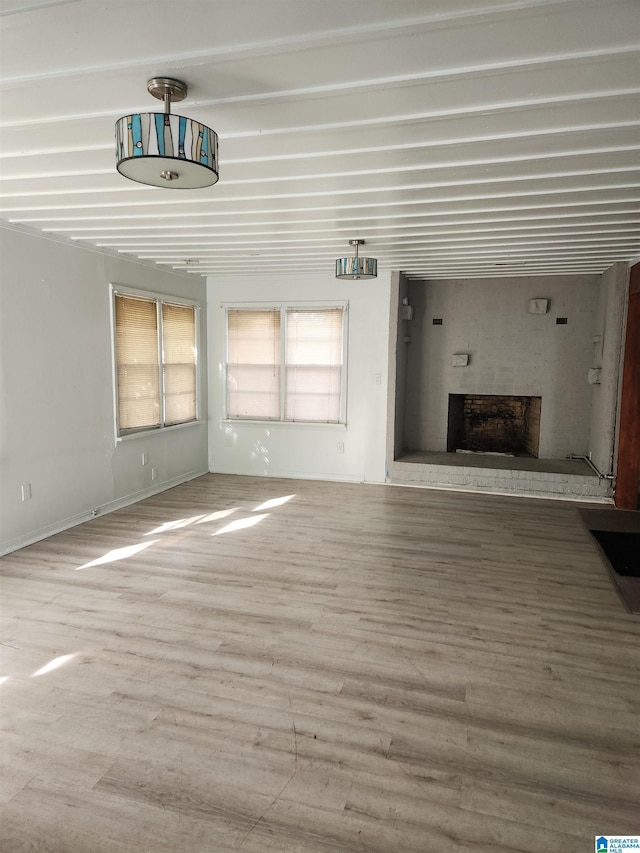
(165, 150)
(356, 267)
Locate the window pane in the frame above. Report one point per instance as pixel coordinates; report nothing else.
(254, 391)
(313, 394)
(179, 393)
(179, 356)
(253, 366)
(136, 324)
(314, 337)
(314, 365)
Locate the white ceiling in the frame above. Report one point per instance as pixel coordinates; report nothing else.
(459, 138)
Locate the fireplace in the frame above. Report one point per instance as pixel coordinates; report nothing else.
(488, 423)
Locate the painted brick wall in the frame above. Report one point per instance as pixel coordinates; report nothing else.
(511, 352)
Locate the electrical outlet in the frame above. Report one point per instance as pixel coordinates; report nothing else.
(341, 447)
(154, 473)
(25, 492)
(377, 378)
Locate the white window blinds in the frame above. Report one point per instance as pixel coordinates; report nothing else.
(314, 365)
(179, 363)
(155, 355)
(308, 342)
(253, 364)
(138, 378)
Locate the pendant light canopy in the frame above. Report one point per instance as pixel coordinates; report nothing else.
(164, 150)
(356, 267)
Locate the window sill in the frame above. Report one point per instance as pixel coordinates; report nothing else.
(243, 423)
(145, 433)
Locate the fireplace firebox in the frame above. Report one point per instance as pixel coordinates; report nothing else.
(488, 423)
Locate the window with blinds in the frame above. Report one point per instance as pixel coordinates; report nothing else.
(179, 363)
(313, 365)
(285, 364)
(155, 359)
(253, 364)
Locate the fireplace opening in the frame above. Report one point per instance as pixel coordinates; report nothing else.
(489, 423)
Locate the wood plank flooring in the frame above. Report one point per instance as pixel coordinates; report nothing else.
(366, 668)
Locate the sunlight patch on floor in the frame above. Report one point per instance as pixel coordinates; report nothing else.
(118, 554)
(175, 525)
(274, 502)
(56, 663)
(215, 516)
(240, 524)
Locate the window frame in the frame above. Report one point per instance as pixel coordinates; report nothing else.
(283, 308)
(159, 299)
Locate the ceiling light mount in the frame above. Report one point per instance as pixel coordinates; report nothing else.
(356, 267)
(167, 89)
(165, 150)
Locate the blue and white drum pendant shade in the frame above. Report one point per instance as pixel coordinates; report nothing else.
(356, 267)
(164, 150)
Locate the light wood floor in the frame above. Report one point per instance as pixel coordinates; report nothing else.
(367, 668)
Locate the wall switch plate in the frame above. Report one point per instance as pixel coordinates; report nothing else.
(154, 473)
(25, 492)
(144, 457)
(460, 359)
(341, 447)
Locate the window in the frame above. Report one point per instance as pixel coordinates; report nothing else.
(286, 364)
(155, 345)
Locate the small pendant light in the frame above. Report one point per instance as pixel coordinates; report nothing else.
(356, 267)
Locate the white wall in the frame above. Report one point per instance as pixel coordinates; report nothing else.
(607, 355)
(511, 352)
(56, 399)
(300, 450)
(399, 335)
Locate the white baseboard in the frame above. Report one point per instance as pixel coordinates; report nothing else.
(298, 475)
(71, 521)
